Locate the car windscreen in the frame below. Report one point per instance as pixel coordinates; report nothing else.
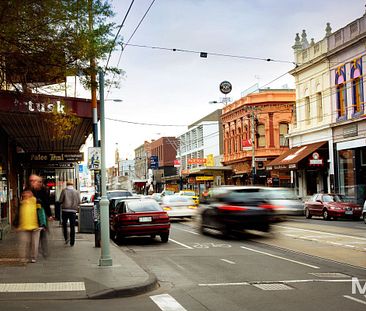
(188, 193)
(333, 198)
(143, 206)
(115, 194)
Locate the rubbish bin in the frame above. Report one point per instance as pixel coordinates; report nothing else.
(86, 219)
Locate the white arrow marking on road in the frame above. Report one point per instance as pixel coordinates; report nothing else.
(279, 257)
(228, 261)
(167, 303)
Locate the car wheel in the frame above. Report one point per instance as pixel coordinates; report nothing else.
(326, 215)
(164, 237)
(307, 213)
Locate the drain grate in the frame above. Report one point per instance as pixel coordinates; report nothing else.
(273, 286)
(330, 275)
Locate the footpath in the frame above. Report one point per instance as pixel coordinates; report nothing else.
(70, 272)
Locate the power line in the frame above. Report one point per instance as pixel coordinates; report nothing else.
(143, 123)
(205, 54)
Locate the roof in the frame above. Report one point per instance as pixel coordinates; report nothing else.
(294, 155)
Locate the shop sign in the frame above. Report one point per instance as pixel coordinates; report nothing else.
(269, 168)
(56, 157)
(154, 162)
(246, 144)
(204, 178)
(350, 131)
(176, 163)
(196, 161)
(292, 166)
(260, 159)
(185, 172)
(279, 167)
(315, 160)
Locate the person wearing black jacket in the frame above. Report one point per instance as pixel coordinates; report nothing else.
(42, 195)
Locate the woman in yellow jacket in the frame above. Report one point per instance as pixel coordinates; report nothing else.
(28, 228)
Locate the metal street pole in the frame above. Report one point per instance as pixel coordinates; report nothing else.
(253, 147)
(105, 259)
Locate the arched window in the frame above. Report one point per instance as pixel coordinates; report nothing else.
(283, 128)
(261, 135)
(357, 85)
(341, 92)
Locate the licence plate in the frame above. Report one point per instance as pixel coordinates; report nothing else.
(349, 212)
(145, 219)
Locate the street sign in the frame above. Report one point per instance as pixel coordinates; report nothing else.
(225, 87)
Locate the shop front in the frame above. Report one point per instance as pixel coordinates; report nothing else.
(304, 168)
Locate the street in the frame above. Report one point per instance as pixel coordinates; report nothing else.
(301, 265)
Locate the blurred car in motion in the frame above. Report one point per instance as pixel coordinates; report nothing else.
(157, 197)
(118, 193)
(330, 205)
(139, 217)
(191, 194)
(236, 208)
(364, 212)
(179, 206)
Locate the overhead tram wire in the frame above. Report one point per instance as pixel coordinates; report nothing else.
(119, 30)
(133, 33)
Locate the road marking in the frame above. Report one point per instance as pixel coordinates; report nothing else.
(279, 257)
(167, 303)
(228, 261)
(181, 244)
(224, 284)
(41, 287)
(321, 232)
(187, 231)
(355, 299)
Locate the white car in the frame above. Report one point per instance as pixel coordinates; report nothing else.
(179, 206)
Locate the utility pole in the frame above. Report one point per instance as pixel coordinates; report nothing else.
(93, 85)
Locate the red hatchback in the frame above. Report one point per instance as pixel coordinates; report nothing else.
(330, 205)
(139, 217)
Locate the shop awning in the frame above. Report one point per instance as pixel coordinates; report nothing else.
(290, 158)
(25, 119)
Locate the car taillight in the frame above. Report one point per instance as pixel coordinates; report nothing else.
(268, 206)
(231, 208)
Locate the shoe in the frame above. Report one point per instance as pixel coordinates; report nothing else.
(67, 241)
(33, 260)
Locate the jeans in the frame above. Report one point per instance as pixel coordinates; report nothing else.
(71, 216)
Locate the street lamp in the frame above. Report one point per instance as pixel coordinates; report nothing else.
(105, 258)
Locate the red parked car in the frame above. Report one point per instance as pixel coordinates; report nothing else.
(329, 205)
(139, 217)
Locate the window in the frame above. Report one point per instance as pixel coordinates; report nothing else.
(357, 86)
(283, 132)
(319, 106)
(307, 110)
(261, 134)
(341, 90)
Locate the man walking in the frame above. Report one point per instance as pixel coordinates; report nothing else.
(70, 200)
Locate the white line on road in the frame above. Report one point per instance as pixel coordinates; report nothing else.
(167, 303)
(321, 232)
(355, 299)
(181, 244)
(228, 261)
(187, 231)
(279, 257)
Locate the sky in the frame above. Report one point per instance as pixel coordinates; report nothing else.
(175, 88)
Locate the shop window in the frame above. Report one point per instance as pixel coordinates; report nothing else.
(261, 135)
(341, 91)
(357, 86)
(283, 133)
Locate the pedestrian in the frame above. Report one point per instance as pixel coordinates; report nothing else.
(41, 193)
(28, 227)
(70, 200)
